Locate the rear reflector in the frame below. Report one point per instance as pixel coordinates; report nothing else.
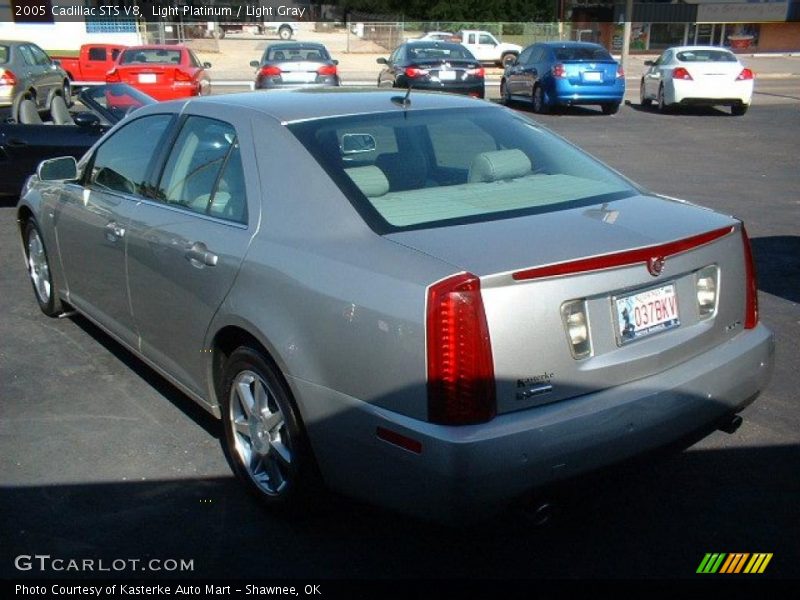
(398, 439)
(181, 76)
(559, 70)
(327, 70)
(620, 72)
(479, 72)
(751, 291)
(623, 259)
(269, 71)
(415, 72)
(681, 73)
(7, 77)
(745, 75)
(461, 387)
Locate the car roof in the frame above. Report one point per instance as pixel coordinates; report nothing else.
(689, 48)
(294, 44)
(301, 105)
(157, 47)
(571, 45)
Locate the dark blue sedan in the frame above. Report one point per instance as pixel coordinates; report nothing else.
(565, 73)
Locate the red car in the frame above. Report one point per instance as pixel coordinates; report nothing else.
(162, 71)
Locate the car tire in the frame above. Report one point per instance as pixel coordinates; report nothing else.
(264, 439)
(285, 32)
(39, 271)
(537, 98)
(507, 59)
(643, 99)
(504, 98)
(610, 109)
(662, 103)
(737, 110)
(66, 92)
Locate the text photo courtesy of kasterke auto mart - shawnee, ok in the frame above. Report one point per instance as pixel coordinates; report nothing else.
(369, 298)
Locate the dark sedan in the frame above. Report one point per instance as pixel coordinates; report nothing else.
(27, 142)
(294, 64)
(436, 66)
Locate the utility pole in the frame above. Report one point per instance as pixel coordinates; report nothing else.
(626, 34)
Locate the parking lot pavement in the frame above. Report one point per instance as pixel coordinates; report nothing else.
(100, 458)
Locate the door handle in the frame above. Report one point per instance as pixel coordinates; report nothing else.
(200, 256)
(14, 143)
(114, 231)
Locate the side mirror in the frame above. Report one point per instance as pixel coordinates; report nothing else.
(55, 63)
(255, 64)
(64, 168)
(381, 61)
(207, 65)
(648, 63)
(334, 61)
(86, 119)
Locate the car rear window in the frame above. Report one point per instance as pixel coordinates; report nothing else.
(434, 52)
(418, 169)
(581, 53)
(294, 53)
(3, 54)
(157, 56)
(705, 56)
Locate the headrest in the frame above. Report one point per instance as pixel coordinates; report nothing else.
(499, 165)
(370, 180)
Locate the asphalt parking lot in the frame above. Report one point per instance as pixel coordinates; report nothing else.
(100, 458)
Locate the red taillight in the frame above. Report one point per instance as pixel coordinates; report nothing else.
(7, 78)
(681, 73)
(327, 70)
(479, 72)
(559, 70)
(113, 76)
(269, 71)
(461, 388)
(620, 72)
(751, 291)
(415, 72)
(182, 76)
(745, 75)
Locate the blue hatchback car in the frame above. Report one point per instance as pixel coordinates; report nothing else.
(564, 73)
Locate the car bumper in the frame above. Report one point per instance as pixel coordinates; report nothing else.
(467, 89)
(270, 84)
(163, 93)
(6, 95)
(696, 92)
(566, 93)
(477, 470)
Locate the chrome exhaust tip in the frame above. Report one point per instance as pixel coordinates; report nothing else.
(731, 425)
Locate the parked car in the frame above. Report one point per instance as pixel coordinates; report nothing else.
(295, 64)
(284, 30)
(487, 48)
(697, 75)
(164, 72)
(435, 304)
(564, 74)
(436, 66)
(440, 36)
(24, 144)
(92, 63)
(27, 72)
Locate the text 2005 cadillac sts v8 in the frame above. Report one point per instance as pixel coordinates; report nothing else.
(432, 302)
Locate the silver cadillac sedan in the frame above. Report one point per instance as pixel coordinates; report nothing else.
(426, 301)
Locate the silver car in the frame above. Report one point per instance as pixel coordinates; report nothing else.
(429, 301)
(27, 72)
(295, 64)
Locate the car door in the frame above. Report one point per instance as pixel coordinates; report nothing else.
(47, 76)
(188, 240)
(654, 75)
(28, 71)
(387, 76)
(514, 74)
(92, 219)
(485, 48)
(533, 70)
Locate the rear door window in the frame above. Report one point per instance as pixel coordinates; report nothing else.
(97, 54)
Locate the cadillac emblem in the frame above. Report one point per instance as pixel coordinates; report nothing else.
(655, 264)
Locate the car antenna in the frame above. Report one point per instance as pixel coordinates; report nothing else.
(404, 101)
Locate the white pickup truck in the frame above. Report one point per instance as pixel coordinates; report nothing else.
(483, 45)
(284, 30)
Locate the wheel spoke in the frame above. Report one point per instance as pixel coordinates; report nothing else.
(276, 478)
(242, 426)
(281, 452)
(261, 406)
(245, 397)
(273, 421)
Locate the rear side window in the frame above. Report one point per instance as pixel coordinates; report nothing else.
(705, 56)
(27, 55)
(40, 56)
(204, 171)
(122, 163)
(97, 54)
(3, 54)
(439, 51)
(582, 53)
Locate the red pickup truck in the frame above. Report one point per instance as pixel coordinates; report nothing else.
(94, 61)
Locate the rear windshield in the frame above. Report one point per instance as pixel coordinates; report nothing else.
(438, 51)
(418, 169)
(157, 56)
(293, 53)
(705, 56)
(581, 53)
(3, 54)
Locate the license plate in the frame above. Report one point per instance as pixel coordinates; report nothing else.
(645, 313)
(592, 76)
(147, 77)
(298, 77)
(447, 75)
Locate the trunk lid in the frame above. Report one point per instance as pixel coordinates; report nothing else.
(599, 72)
(531, 348)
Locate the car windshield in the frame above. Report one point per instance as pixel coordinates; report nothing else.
(3, 54)
(438, 51)
(294, 53)
(705, 56)
(156, 56)
(418, 169)
(114, 101)
(582, 53)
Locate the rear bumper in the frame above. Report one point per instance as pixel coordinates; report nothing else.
(474, 470)
(564, 92)
(691, 92)
(467, 89)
